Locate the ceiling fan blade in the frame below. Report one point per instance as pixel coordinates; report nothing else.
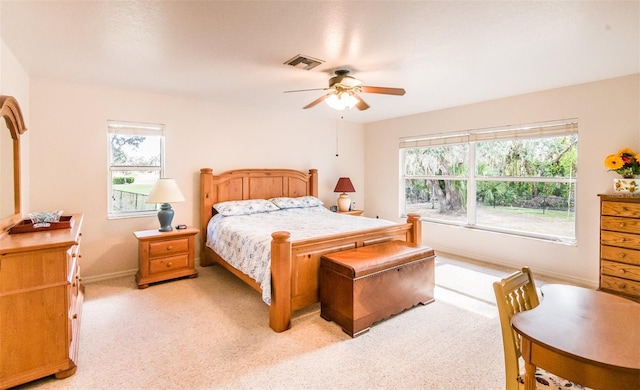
(383, 90)
(305, 90)
(318, 100)
(361, 105)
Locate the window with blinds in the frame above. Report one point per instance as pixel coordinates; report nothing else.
(136, 162)
(513, 179)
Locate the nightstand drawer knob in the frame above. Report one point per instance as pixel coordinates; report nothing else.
(169, 247)
(169, 264)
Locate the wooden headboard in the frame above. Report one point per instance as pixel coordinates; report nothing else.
(242, 184)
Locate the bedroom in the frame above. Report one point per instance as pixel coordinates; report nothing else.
(367, 153)
(72, 115)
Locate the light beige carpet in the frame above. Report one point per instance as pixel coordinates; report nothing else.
(212, 332)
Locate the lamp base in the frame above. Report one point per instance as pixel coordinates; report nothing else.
(165, 216)
(344, 202)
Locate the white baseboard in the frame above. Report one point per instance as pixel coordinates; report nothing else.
(454, 254)
(116, 275)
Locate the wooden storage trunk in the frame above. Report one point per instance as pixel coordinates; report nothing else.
(361, 286)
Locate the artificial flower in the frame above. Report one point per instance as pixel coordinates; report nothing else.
(626, 163)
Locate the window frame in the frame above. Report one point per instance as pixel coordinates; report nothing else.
(132, 129)
(565, 127)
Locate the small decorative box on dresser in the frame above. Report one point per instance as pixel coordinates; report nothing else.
(620, 245)
(165, 255)
(40, 304)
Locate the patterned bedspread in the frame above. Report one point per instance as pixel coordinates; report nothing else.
(244, 241)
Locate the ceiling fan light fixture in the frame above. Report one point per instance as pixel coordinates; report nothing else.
(341, 100)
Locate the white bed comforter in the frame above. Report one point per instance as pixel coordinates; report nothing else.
(244, 241)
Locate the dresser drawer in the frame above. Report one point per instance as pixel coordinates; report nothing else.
(619, 285)
(624, 240)
(168, 247)
(629, 256)
(618, 224)
(621, 209)
(625, 271)
(167, 264)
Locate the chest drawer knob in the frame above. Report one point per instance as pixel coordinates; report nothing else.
(169, 247)
(621, 255)
(169, 264)
(622, 224)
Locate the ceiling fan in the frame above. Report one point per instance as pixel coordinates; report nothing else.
(343, 92)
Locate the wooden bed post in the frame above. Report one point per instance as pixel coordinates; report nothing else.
(313, 182)
(280, 308)
(206, 203)
(416, 231)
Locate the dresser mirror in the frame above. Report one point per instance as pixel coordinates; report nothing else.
(11, 128)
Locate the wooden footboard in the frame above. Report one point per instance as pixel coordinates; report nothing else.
(294, 265)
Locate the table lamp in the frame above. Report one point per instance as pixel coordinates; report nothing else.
(165, 191)
(344, 185)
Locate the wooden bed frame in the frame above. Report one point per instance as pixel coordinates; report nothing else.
(294, 264)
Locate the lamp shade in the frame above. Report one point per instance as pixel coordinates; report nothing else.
(344, 185)
(165, 191)
(341, 100)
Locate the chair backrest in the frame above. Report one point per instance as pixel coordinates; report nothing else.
(515, 293)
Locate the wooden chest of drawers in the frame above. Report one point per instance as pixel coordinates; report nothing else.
(40, 304)
(165, 255)
(620, 245)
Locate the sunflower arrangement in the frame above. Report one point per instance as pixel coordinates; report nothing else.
(625, 163)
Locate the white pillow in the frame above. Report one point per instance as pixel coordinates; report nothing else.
(299, 202)
(244, 207)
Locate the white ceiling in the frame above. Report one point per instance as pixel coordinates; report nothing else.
(444, 53)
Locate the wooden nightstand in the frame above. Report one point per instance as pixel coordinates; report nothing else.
(352, 212)
(165, 255)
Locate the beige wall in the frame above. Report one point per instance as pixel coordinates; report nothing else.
(64, 159)
(69, 156)
(609, 119)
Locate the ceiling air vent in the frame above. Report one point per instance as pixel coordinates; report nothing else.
(304, 62)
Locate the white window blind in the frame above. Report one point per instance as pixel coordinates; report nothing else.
(135, 129)
(535, 130)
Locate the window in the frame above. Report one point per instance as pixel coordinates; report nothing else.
(517, 180)
(136, 162)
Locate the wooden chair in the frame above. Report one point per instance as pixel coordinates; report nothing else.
(515, 293)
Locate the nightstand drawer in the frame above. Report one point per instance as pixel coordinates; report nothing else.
(165, 255)
(168, 247)
(168, 264)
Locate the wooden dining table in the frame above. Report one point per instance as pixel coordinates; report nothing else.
(586, 336)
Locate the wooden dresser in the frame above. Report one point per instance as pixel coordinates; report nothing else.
(620, 245)
(40, 304)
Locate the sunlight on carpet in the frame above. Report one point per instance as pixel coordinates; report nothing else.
(466, 288)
